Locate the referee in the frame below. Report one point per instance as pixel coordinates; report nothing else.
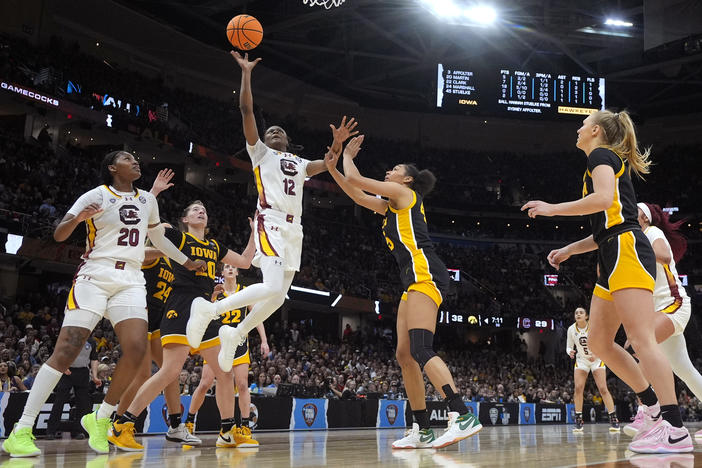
(78, 377)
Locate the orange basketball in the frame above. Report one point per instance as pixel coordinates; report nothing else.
(244, 32)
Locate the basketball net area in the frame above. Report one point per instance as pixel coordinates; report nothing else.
(325, 3)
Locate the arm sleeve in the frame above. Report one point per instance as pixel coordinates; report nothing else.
(601, 156)
(257, 152)
(92, 196)
(653, 233)
(154, 216)
(162, 243)
(569, 343)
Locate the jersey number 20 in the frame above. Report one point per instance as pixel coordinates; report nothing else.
(128, 237)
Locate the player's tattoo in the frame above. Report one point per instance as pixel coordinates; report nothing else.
(76, 337)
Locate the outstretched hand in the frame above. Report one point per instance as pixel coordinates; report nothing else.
(244, 63)
(162, 182)
(331, 159)
(343, 132)
(353, 147)
(538, 208)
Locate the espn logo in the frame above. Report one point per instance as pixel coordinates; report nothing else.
(551, 415)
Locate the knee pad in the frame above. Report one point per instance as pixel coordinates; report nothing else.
(421, 345)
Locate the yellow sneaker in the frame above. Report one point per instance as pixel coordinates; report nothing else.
(242, 437)
(125, 460)
(227, 439)
(122, 437)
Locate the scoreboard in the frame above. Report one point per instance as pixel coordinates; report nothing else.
(511, 92)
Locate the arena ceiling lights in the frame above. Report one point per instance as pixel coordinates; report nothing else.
(610, 27)
(469, 15)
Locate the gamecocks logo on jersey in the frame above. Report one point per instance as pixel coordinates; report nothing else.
(309, 413)
(288, 166)
(129, 214)
(391, 413)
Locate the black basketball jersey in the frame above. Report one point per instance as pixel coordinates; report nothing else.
(232, 317)
(209, 250)
(622, 216)
(159, 278)
(407, 236)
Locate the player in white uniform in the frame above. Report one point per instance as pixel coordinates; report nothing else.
(280, 176)
(670, 299)
(108, 283)
(586, 362)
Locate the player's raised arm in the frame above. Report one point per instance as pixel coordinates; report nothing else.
(246, 97)
(357, 195)
(398, 193)
(339, 135)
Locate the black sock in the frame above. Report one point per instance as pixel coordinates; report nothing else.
(174, 420)
(648, 397)
(421, 417)
(578, 415)
(245, 422)
(126, 417)
(671, 413)
(190, 418)
(453, 400)
(227, 424)
(237, 419)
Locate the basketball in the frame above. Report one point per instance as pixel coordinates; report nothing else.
(244, 32)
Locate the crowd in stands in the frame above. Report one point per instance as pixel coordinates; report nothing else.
(342, 252)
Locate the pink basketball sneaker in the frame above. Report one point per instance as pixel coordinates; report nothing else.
(632, 429)
(662, 438)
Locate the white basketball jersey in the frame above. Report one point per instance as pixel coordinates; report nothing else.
(669, 293)
(117, 232)
(578, 337)
(280, 178)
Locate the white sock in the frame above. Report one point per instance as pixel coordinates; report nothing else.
(274, 276)
(675, 349)
(262, 310)
(105, 410)
(44, 384)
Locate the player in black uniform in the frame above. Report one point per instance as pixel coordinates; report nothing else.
(424, 278)
(186, 287)
(240, 366)
(626, 268)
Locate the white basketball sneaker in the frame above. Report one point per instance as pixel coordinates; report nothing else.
(414, 439)
(230, 339)
(202, 312)
(182, 435)
(460, 426)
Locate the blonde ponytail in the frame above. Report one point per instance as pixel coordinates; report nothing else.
(619, 135)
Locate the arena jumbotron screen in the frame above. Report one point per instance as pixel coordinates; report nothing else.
(511, 92)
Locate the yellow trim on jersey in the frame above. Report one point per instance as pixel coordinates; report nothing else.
(677, 299)
(428, 288)
(136, 192)
(614, 214)
(587, 327)
(211, 343)
(71, 303)
(203, 242)
(628, 271)
(602, 293)
(245, 359)
(150, 265)
(174, 339)
(92, 233)
(182, 241)
(265, 243)
(420, 263)
(259, 186)
(216, 245)
(154, 335)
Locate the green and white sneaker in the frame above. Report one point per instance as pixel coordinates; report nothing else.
(460, 426)
(97, 431)
(415, 438)
(21, 443)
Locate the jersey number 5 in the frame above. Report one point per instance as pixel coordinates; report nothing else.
(583, 343)
(289, 187)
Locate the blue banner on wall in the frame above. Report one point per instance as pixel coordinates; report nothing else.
(570, 413)
(527, 413)
(391, 413)
(309, 413)
(156, 421)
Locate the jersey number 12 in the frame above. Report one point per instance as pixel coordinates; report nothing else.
(289, 187)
